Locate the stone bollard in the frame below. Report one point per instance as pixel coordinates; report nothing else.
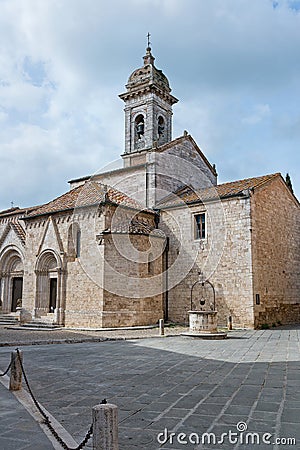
(15, 382)
(25, 316)
(161, 327)
(105, 427)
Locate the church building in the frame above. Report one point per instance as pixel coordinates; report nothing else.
(125, 247)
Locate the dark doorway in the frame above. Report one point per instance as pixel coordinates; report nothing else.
(53, 294)
(17, 289)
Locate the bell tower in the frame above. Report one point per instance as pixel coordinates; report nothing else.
(148, 110)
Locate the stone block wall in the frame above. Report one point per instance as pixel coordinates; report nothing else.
(132, 282)
(189, 168)
(79, 294)
(93, 285)
(131, 181)
(224, 257)
(84, 287)
(276, 254)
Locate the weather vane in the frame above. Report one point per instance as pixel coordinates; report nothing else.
(148, 39)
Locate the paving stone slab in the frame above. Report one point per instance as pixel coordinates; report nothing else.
(168, 383)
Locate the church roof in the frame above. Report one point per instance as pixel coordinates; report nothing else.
(16, 211)
(188, 195)
(134, 227)
(148, 74)
(148, 77)
(88, 194)
(9, 210)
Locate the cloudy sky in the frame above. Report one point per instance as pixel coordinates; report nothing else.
(233, 64)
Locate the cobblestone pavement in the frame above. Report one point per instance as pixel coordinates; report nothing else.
(185, 385)
(15, 336)
(17, 428)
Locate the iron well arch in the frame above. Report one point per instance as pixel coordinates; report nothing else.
(204, 283)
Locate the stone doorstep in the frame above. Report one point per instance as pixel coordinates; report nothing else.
(202, 335)
(33, 328)
(140, 327)
(8, 322)
(8, 319)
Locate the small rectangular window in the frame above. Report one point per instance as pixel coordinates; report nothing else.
(257, 299)
(199, 226)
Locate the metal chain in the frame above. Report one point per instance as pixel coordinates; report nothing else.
(46, 418)
(4, 373)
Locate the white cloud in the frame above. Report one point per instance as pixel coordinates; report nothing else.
(63, 64)
(259, 113)
(21, 97)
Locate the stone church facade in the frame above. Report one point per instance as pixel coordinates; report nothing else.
(125, 247)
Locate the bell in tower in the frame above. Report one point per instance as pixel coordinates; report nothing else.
(148, 108)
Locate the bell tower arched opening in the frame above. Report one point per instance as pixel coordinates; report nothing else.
(148, 110)
(139, 131)
(161, 131)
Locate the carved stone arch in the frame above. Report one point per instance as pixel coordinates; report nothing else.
(49, 259)
(140, 112)
(50, 286)
(11, 278)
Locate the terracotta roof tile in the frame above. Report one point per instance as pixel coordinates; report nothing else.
(16, 211)
(232, 189)
(9, 210)
(88, 194)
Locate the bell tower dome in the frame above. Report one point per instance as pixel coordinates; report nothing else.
(148, 110)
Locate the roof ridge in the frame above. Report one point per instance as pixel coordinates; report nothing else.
(271, 175)
(91, 193)
(223, 190)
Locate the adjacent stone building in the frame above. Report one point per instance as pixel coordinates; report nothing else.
(124, 248)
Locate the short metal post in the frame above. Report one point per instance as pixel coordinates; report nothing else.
(105, 427)
(161, 327)
(15, 382)
(229, 323)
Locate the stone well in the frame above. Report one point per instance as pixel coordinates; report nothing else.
(203, 322)
(203, 325)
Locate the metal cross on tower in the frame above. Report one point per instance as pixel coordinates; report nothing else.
(148, 39)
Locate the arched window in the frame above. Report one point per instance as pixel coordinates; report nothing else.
(160, 127)
(78, 243)
(74, 241)
(139, 126)
(150, 264)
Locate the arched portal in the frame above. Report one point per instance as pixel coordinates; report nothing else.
(49, 286)
(11, 275)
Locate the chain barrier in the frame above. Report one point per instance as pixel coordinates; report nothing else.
(4, 373)
(46, 418)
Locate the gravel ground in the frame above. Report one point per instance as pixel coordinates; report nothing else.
(13, 336)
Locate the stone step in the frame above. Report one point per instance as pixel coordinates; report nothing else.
(49, 319)
(39, 324)
(8, 319)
